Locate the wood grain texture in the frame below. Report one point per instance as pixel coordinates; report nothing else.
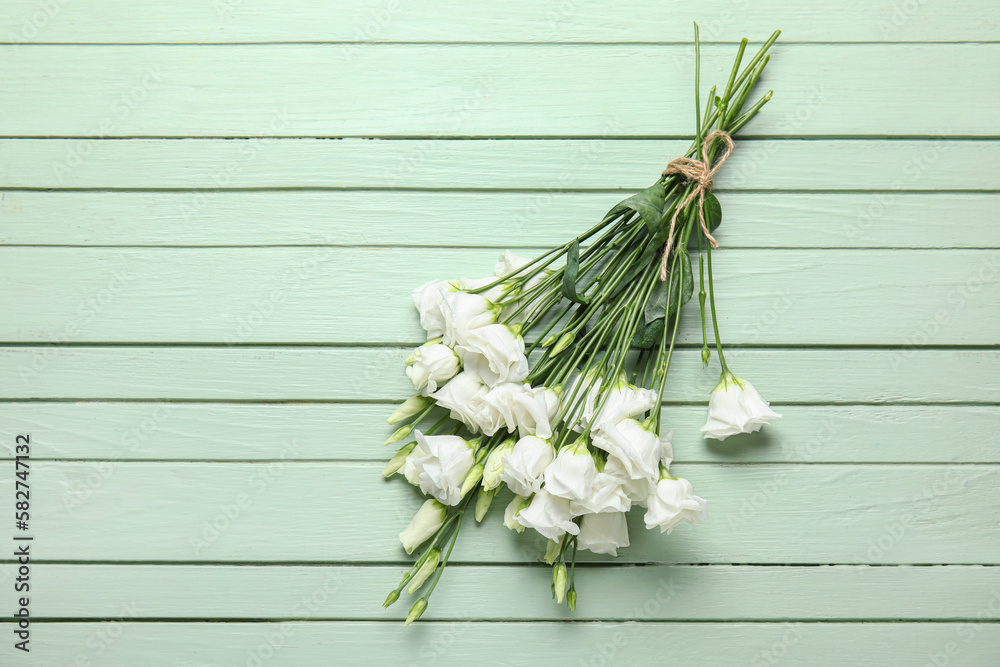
(481, 90)
(448, 644)
(345, 512)
(354, 431)
(188, 21)
(695, 593)
(773, 297)
(365, 374)
(204, 167)
(525, 220)
(206, 487)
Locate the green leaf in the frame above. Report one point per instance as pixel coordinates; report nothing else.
(648, 334)
(647, 203)
(713, 212)
(659, 304)
(571, 274)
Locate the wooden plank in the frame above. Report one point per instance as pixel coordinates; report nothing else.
(283, 295)
(697, 593)
(344, 432)
(490, 90)
(345, 512)
(205, 167)
(186, 21)
(821, 375)
(463, 219)
(448, 644)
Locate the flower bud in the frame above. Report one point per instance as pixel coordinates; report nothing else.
(425, 571)
(549, 341)
(411, 407)
(559, 582)
(398, 459)
(428, 519)
(564, 342)
(510, 514)
(416, 611)
(494, 464)
(571, 599)
(393, 596)
(472, 479)
(401, 432)
(483, 502)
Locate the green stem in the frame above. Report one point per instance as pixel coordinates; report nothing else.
(715, 319)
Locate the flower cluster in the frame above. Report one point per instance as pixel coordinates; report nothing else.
(544, 382)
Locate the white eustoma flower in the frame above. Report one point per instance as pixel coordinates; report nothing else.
(603, 533)
(428, 519)
(493, 468)
(610, 402)
(429, 300)
(463, 312)
(736, 407)
(494, 354)
(549, 515)
(571, 474)
(534, 410)
(634, 444)
(674, 503)
(431, 364)
(503, 399)
(636, 490)
(444, 468)
(463, 395)
(524, 466)
(607, 494)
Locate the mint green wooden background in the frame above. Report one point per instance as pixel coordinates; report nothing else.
(211, 213)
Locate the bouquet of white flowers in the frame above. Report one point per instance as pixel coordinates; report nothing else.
(546, 378)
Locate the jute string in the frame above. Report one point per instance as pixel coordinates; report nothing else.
(700, 173)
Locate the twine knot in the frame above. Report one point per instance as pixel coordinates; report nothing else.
(699, 172)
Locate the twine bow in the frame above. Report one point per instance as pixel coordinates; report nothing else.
(700, 173)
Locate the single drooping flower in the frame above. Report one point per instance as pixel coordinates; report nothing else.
(430, 365)
(443, 469)
(673, 503)
(428, 519)
(736, 407)
(571, 474)
(494, 354)
(603, 533)
(524, 466)
(549, 515)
